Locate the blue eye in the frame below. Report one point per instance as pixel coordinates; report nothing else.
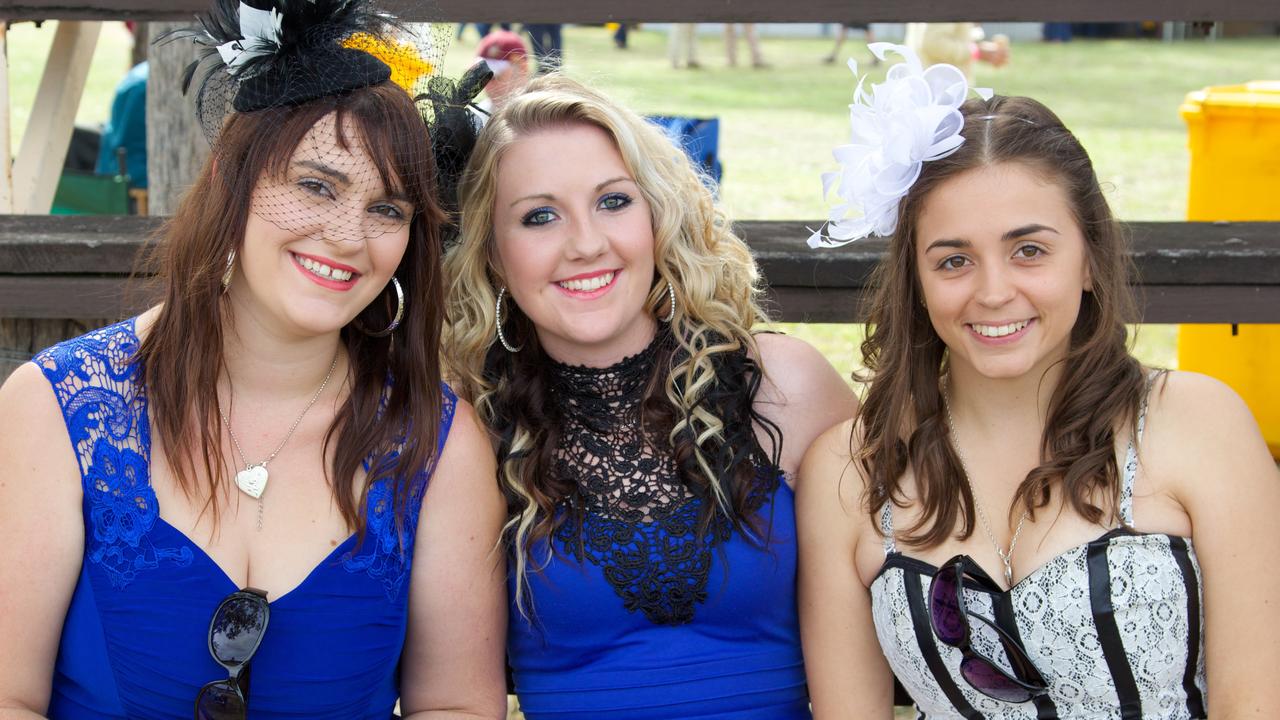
(538, 216)
(316, 187)
(615, 201)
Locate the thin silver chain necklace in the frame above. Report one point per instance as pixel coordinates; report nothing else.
(252, 480)
(1005, 557)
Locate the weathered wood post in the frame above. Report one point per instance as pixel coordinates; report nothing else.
(176, 147)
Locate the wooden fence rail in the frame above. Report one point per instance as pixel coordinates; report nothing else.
(588, 11)
(78, 266)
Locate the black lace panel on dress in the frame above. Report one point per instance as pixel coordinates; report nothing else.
(632, 515)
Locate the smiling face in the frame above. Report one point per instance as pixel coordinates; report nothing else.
(1002, 264)
(574, 243)
(322, 239)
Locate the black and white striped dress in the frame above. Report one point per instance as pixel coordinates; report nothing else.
(1115, 626)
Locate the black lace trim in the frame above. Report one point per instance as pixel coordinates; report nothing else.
(631, 514)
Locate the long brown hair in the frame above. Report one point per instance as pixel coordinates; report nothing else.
(182, 354)
(903, 419)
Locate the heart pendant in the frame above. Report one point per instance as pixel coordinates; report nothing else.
(252, 480)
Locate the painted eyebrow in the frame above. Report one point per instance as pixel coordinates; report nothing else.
(549, 196)
(610, 181)
(344, 179)
(325, 170)
(1007, 237)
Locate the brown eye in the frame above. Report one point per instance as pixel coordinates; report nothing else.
(319, 188)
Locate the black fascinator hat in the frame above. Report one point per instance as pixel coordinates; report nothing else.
(270, 56)
(263, 54)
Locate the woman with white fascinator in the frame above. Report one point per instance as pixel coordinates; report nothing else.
(1022, 521)
(259, 494)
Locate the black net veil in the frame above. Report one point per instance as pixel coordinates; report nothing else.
(337, 62)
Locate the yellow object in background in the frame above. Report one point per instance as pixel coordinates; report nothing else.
(1249, 362)
(1235, 175)
(407, 66)
(1235, 152)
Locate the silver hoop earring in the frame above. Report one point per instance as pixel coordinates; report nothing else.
(395, 321)
(497, 314)
(231, 269)
(671, 293)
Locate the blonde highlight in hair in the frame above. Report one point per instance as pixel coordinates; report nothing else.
(717, 304)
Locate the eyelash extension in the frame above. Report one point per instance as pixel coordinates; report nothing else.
(399, 215)
(626, 200)
(528, 217)
(316, 187)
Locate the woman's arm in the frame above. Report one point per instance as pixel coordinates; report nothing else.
(1201, 436)
(453, 660)
(848, 675)
(41, 539)
(801, 392)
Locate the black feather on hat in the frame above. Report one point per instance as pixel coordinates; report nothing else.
(283, 52)
(454, 129)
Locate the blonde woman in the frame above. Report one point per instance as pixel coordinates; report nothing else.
(602, 321)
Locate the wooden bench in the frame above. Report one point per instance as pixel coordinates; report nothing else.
(78, 266)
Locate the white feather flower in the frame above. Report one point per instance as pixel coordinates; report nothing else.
(259, 35)
(910, 118)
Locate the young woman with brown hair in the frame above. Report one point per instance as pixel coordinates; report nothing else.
(1023, 520)
(278, 421)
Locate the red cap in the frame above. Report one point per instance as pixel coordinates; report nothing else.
(501, 45)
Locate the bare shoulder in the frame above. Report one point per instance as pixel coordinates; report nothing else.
(1198, 428)
(1189, 407)
(467, 454)
(792, 364)
(801, 392)
(835, 446)
(829, 472)
(40, 464)
(28, 405)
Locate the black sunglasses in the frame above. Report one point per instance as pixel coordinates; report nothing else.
(235, 632)
(950, 620)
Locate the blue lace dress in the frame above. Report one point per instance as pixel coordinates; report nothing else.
(638, 616)
(134, 643)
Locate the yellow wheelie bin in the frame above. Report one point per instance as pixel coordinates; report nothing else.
(1234, 134)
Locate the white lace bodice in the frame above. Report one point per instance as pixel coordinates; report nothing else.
(1115, 626)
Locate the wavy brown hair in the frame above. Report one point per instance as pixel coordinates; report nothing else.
(182, 353)
(903, 419)
(700, 398)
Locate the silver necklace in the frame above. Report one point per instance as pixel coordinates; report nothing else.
(1005, 557)
(252, 480)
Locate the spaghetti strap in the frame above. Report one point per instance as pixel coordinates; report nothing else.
(1130, 471)
(886, 528)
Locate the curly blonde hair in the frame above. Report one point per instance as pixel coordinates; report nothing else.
(717, 289)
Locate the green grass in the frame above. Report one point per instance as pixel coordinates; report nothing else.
(778, 125)
(28, 47)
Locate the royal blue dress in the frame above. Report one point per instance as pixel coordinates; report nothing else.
(134, 643)
(637, 615)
